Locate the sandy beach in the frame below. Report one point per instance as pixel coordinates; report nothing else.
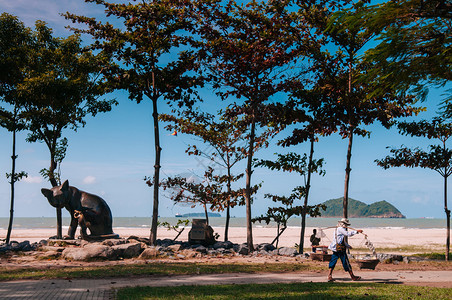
(433, 239)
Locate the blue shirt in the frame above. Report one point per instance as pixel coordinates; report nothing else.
(339, 235)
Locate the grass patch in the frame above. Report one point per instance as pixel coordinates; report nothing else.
(287, 291)
(180, 268)
(436, 256)
(400, 249)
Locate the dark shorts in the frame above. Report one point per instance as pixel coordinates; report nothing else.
(344, 258)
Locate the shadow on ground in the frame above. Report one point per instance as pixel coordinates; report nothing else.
(379, 289)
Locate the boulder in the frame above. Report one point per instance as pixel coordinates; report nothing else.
(287, 251)
(265, 247)
(225, 245)
(139, 239)
(150, 253)
(165, 242)
(243, 249)
(51, 254)
(89, 252)
(201, 249)
(128, 250)
(114, 242)
(175, 247)
(188, 253)
(262, 253)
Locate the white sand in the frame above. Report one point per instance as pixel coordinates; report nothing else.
(380, 237)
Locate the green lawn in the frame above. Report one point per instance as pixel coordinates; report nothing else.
(180, 268)
(288, 291)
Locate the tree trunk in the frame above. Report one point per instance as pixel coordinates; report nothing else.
(347, 173)
(447, 219)
(13, 180)
(306, 196)
(53, 182)
(155, 210)
(350, 139)
(249, 228)
(206, 213)
(228, 208)
(279, 233)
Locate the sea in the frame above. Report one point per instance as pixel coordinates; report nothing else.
(144, 222)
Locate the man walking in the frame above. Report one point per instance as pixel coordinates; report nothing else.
(339, 247)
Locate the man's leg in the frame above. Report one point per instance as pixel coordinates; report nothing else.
(331, 265)
(347, 266)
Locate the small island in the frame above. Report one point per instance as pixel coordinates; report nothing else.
(198, 215)
(358, 209)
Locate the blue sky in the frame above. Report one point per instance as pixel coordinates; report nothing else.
(112, 154)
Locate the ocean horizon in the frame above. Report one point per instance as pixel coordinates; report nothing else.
(144, 222)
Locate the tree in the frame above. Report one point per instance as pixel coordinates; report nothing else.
(437, 158)
(13, 123)
(292, 162)
(15, 44)
(282, 214)
(247, 53)
(60, 89)
(225, 138)
(353, 100)
(207, 192)
(144, 60)
(305, 109)
(412, 37)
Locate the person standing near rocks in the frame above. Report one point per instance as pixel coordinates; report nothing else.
(339, 247)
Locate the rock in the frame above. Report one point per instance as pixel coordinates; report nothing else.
(89, 252)
(201, 249)
(175, 247)
(14, 246)
(225, 245)
(287, 251)
(243, 249)
(25, 246)
(139, 239)
(262, 252)
(52, 248)
(190, 253)
(43, 242)
(113, 242)
(212, 252)
(265, 246)
(397, 257)
(150, 253)
(165, 242)
(4, 248)
(63, 243)
(83, 243)
(389, 258)
(127, 250)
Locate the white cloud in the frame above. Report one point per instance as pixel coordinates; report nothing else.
(420, 199)
(89, 180)
(33, 179)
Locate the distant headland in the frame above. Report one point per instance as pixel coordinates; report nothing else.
(198, 215)
(358, 209)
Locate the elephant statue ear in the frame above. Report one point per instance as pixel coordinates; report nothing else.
(65, 186)
(47, 193)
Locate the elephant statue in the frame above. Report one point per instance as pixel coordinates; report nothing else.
(87, 210)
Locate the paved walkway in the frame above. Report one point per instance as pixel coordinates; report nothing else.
(104, 288)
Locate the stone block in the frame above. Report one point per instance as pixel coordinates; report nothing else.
(128, 250)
